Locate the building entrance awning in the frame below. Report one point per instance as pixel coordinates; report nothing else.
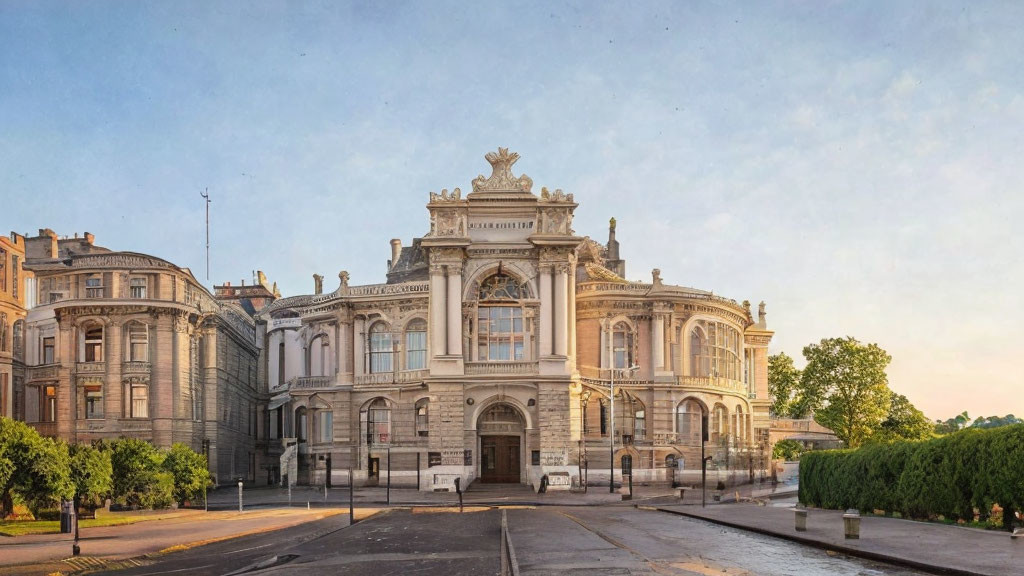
(278, 401)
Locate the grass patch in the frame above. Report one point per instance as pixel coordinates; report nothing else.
(26, 527)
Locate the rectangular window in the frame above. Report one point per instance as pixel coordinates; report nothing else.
(49, 403)
(138, 288)
(423, 419)
(94, 287)
(139, 401)
(501, 335)
(416, 350)
(640, 425)
(138, 343)
(94, 345)
(3, 270)
(327, 426)
(48, 350)
(93, 401)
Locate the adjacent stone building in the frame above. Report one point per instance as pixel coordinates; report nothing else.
(491, 351)
(12, 320)
(126, 344)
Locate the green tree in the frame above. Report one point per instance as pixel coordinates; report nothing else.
(31, 467)
(189, 471)
(91, 472)
(787, 450)
(138, 478)
(847, 379)
(996, 421)
(950, 425)
(783, 386)
(904, 421)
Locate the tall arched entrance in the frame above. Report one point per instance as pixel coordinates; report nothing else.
(501, 444)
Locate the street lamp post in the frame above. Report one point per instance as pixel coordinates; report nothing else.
(584, 399)
(611, 418)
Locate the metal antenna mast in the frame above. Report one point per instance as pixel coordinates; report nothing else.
(206, 196)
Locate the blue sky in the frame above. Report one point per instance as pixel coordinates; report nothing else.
(852, 164)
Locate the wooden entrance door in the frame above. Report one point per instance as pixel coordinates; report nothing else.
(499, 459)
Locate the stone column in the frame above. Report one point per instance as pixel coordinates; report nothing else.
(438, 322)
(358, 339)
(561, 310)
(658, 341)
(454, 305)
(545, 311)
(603, 351)
(572, 316)
(112, 389)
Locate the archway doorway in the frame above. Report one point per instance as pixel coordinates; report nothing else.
(501, 444)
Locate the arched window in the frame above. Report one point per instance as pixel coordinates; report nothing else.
(3, 332)
(92, 351)
(719, 423)
(378, 422)
(381, 348)
(423, 417)
(416, 345)
(689, 422)
(741, 423)
(500, 332)
(714, 350)
(622, 346)
(138, 342)
(319, 356)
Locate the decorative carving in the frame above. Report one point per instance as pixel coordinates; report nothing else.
(318, 284)
(501, 178)
(450, 222)
(556, 196)
(656, 278)
(555, 221)
(130, 261)
(456, 196)
(600, 273)
(343, 278)
(761, 314)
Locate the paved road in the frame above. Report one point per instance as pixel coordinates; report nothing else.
(620, 540)
(596, 541)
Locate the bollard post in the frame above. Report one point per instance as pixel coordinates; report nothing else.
(239, 495)
(458, 490)
(851, 524)
(351, 492)
(389, 476)
(75, 548)
(417, 471)
(801, 519)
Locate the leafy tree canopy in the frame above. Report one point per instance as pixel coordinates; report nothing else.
(903, 422)
(783, 386)
(91, 471)
(34, 468)
(189, 471)
(844, 383)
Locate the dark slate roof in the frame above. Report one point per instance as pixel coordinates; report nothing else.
(411, 265)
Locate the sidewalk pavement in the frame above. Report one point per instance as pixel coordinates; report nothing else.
(940, 548)
(45, 553)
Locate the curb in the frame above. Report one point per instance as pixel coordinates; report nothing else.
(867, 554)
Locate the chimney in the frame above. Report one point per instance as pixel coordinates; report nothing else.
(89, 238)
(396, 251)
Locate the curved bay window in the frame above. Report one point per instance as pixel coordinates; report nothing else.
(714, 350)
(381, 348)
(690, 423)
(500, 331)
(416, 345)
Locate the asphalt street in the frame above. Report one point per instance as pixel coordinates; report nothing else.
(596, 541)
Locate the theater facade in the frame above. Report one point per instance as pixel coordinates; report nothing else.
(504, 347)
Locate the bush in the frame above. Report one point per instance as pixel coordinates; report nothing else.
(952, 476)
(787, 450)
(91, 472)
(188, 470)
(32, 468)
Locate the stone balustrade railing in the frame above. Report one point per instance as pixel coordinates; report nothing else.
(403, 377)
(309, 382)
(135, 367)
(90, 367)
(484, 368)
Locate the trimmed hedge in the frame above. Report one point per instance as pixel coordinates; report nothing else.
(953, 476)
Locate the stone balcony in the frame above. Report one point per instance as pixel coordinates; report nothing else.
(713, 384)
(501, 368)
(90, 367)
(135, 367)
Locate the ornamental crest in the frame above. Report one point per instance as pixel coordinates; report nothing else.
(501, 178)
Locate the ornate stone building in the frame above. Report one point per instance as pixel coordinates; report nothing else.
(126, 344)
(12, 319)
(491, 351)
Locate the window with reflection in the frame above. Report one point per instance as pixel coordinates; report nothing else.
(378, 422)
(500, 330)
(690, 422)
(715, 350)
(423, 418)
(622, 346)
(93, 401)
(381, 348)
(416, 345)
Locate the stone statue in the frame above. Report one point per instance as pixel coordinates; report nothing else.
(656, 276)
(343, 276)
(760, 314)
(318, 284)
